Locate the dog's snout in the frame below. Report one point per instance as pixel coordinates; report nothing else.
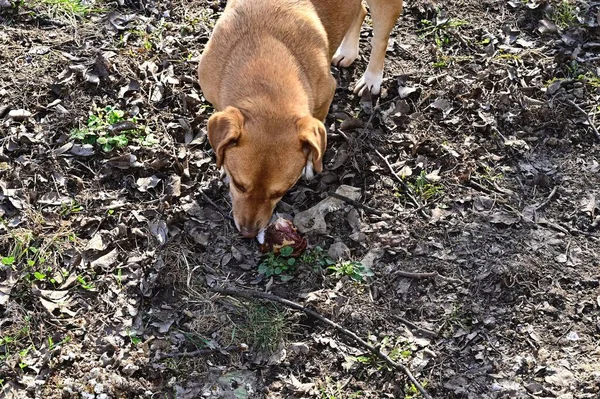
(248, 231)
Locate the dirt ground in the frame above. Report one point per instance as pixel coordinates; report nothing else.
(476, 176)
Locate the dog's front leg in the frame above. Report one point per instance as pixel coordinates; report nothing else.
(384, 13)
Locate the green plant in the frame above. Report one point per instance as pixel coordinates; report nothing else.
(412, 392)
(16, 339)
(316, 257)
(574, 71)
(22, 355)
(119, 277)
(84, 283)
(489, 174)
(353, 269)
(25, 250)
(149, 38)
(39, 276)
(100, 130)
(52, 344)
(6, 341)
(440, 64)
(135, 340)
(8, 260)
(70, 208)
(328, 390)
(590, 79)
(207, 17)
(278, 265)
(63, 8)
(284, 265)
(573, 68)
(440, 31)
(457, 319)
(550, 81)
(424, 188)
(395, 348)
(564, 14)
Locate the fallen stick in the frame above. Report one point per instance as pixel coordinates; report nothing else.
(357, 204)
(587, 116)
(402, 273)
(413, 326)
(251, 294)
(552, 194)
(203, 352)
(217, 207)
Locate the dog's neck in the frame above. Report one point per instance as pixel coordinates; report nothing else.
(272, 85)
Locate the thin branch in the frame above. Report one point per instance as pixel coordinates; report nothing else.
(587, 116)
(251, 294)
(552, 194)
(357, 204)
(431, 202)
(413, 326)
(402, 273)
(478, 187)
(407, 189)
(553, 226)
(495, 189)
(202, 352)
(217, 207)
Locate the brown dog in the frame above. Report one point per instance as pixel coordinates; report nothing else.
(266, 70)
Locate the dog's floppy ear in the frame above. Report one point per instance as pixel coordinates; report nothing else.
(314, 136)
(224, 129)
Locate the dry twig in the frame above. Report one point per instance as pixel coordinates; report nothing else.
(415, 327)
(357, 204)
(251, 294)
(587, 116)
(217, 207)
(203, 352)
(552, 194)
(402, 273)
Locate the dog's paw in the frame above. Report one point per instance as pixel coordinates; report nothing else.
(370, 81)
(345, 55)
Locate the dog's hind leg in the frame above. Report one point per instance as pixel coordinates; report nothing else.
(348, 50)
(384, 14)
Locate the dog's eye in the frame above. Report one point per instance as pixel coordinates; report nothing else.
(240, 188)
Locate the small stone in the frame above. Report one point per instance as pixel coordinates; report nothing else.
(534, 388)
(561, 378)
(19, 115)
(201, 238)
(338, 251)
(579, 93)
(359, 237)
(276, 386)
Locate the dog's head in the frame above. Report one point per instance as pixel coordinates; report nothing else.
(263, 158)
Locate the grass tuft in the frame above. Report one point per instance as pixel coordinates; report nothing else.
(266, 326)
